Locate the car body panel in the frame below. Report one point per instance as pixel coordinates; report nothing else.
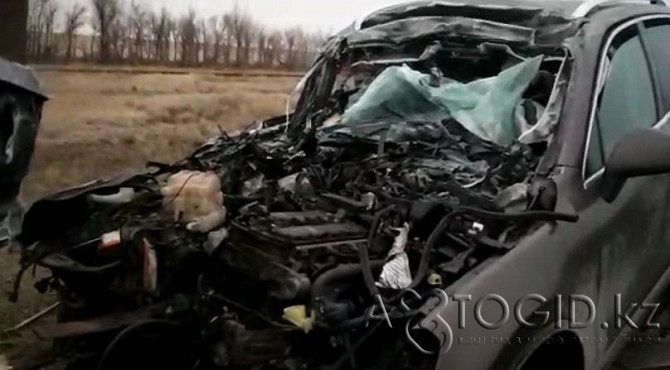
(617, 248)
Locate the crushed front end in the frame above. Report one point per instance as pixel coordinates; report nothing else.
(415, 154)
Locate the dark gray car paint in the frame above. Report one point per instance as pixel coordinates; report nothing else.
(409, 29)
(522, 12)
(614, 248)
(20, 76)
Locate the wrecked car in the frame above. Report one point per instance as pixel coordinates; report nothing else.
(438, 152)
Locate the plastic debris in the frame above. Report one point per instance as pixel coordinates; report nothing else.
(149, 267)
(110, 239)
(196, 199)
(123, 196)
(214, 240)
(396, 273)
(297, 315)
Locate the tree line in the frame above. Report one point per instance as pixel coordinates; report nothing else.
(127, 32)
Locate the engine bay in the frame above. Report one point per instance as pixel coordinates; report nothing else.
(289, 245)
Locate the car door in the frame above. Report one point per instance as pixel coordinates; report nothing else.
(631, 233)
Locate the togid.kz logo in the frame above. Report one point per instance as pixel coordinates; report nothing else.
(424, 313)
(433, 322)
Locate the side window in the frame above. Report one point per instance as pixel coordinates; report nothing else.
(595, 160)
(657, 39)
(626, 98)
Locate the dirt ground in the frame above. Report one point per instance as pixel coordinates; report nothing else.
(102, 124)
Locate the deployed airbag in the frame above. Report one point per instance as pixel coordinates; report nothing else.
(485, 107)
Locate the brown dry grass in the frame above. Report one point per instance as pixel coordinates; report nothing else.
(102, 124)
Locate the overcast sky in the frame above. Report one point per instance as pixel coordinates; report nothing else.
(325, 15)
(312, 14)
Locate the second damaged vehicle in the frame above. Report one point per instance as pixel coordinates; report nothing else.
(436, 151)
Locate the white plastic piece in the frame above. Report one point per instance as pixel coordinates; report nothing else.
(214, 240)
(110, 239)
(370, 201)
(476, 229)
(125, 195)
(150, 267)
(195, 198)
(208, 222)
(396, 273)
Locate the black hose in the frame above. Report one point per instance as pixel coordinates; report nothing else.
(525, 215)
(323, 285)
(328, 288)
(115, 355)
(425, 254)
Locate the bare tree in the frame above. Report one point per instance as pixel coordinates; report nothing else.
(292, 37)
(106, 12)
(169, 25)
(204, 40)
(189, 35)
(302, 47)
(249, 36)
(216, 29)
(138, 32)
(138, 20)
(273, 52)
(240, 24)
(41, 25)
(34, 24)
(49, 23)
(228, 26)
(261, 45)
(74, 20)
(303, 51)
(175, 36)
(96, 31)
(161, 25)
(119, 38)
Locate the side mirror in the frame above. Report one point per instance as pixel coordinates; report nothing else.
(641, 153)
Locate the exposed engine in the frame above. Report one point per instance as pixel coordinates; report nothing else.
(290, 245)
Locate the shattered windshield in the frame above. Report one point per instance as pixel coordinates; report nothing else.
(476, 113)
(499, 91)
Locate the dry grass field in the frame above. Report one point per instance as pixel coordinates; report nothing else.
(102, 124)
(98, 124)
